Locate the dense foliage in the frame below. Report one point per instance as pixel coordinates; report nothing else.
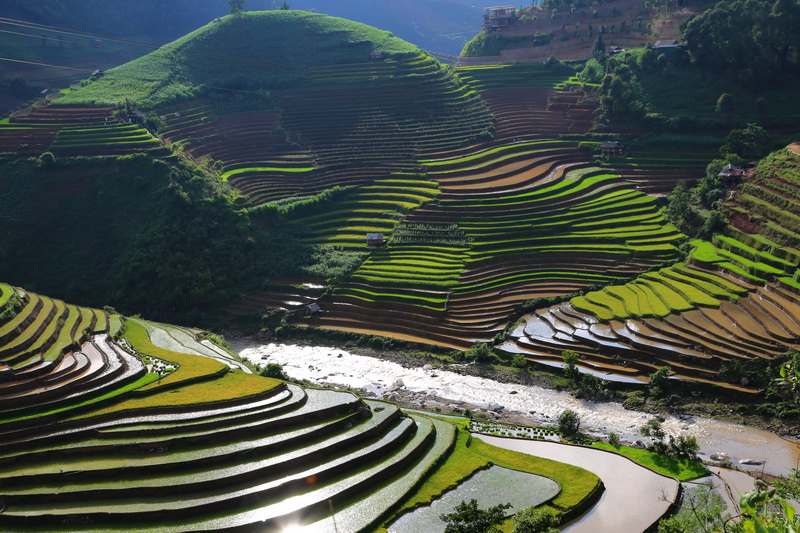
(133, 232)
(469, 518)
(756, 42)
(641, 86)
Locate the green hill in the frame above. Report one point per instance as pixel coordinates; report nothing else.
(251, 51)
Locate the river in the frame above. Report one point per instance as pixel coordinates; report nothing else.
(377, 378)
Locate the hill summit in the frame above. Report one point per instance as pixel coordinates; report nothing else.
(248, 51)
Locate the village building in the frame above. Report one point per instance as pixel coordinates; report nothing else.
(611, 149)
(730, 174)
(375, 240)
(666, 48)
(499, 17)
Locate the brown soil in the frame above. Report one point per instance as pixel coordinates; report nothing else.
(743, 223)
(570, 31)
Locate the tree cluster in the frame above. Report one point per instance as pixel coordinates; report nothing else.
(756, 42)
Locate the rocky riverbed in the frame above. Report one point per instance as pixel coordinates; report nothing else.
(419, 384)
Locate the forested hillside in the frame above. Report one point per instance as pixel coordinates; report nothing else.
(132, 231)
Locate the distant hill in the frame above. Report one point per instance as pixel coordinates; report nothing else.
(439, 25)
(435, 25)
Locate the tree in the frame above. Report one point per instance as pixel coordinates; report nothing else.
(285, 6)
(724, 104)
(593, 71)
(709, 190)
(569, 423)
(519, 361)
(237, 6)
(469, 518)
(679, 212)
(702, 510)
(684, 447)
(715, 223)
(789, 373)
(599, 49)
(570, 361)
(533, 520)
(659, 381)
(613, 439)
(751, 142)
(591, 387)
(652, 429)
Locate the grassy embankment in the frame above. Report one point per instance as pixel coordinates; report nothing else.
(470, 455)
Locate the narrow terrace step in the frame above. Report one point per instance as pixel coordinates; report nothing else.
(243, 462)
(258, 503)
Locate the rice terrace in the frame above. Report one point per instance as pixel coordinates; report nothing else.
(595, 197)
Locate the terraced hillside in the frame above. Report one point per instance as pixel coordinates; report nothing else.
(357, 122)
(737, 298)
(75, 131)
(147, 434)
(519, 217)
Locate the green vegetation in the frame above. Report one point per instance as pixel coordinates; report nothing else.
(640, 86)
(531, 75)
(680, 469)
(470, 455)
(150, 236)
(154, 79)
(672, 289)
(204, 368)
(469, 518)
(757, 59)
(702, 509)
(569, 423)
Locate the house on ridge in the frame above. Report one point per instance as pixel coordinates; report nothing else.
(499, 17)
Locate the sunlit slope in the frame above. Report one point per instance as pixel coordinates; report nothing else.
(254, 50)
(155, 432)
(734, 304)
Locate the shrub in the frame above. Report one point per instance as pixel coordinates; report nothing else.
(469, 518)
(47, 160)
(273, 370)
(613, 439)
(659, 381)
(480, 352)
(519, 361)
(533, 520)
(569, 422)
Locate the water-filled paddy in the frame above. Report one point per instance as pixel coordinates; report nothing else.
(490, 487)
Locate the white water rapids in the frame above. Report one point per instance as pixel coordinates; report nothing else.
(337, 367)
